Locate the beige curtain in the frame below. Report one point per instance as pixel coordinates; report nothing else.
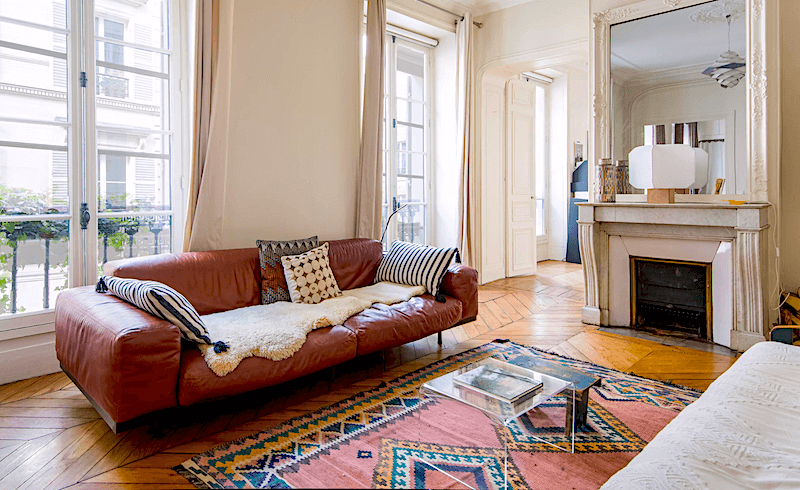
(465, 86)
(369, 189)
(205, 208)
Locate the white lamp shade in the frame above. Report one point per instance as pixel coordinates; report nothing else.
(668, 167)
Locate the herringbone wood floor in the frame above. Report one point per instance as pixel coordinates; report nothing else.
(51, 437)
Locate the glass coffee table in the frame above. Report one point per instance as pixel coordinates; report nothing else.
(503, 413)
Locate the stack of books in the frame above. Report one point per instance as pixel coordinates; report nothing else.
(497, 386)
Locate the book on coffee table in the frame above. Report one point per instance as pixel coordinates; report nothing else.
(500, 383)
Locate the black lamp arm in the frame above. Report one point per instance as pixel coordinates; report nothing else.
(389, 220)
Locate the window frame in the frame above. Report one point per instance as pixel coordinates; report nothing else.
(390, 155)
(80, 44)
(545, 177)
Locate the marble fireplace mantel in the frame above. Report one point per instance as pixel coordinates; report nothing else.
(733, 238)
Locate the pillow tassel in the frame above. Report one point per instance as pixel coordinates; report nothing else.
(220, 347)
(458, 257)
(101, 286)
(440, 298)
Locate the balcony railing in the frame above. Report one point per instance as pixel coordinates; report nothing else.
(112, 86)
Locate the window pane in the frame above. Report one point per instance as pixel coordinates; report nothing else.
(120, 238)
(540, 143)
(410, 138)
(33, 181)
(21, 10)
(411, 112)
(39, 249)
(146, 23)
(410, 83)
(410, 189)
(540, 224)
(33, 85)
(411, 164)
(133, 183)
(131, 99)
(410, 224)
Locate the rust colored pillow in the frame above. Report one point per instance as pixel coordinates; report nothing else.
(273, 281)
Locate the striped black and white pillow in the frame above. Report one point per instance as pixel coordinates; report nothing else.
(163, 302)
(417, 265)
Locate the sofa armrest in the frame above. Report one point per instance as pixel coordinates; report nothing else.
(461, 282)
(123, 358)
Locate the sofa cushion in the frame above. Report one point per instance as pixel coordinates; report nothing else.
(324, 348)
(354, 261)
(309, 276)
(383, 327)
(162, 302)
(212, 281)
(416, 265)
(273, 281)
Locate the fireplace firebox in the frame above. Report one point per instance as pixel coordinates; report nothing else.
(672, 296)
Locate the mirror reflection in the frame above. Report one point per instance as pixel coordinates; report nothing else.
(678, 78)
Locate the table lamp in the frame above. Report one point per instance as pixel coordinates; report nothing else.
(663, 168)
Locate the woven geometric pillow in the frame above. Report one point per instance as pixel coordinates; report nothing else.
(163, 302)
(309, 276)
(417, 265)
(273, 282)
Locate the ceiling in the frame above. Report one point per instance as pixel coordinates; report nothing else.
(477, 7)
(672, 44)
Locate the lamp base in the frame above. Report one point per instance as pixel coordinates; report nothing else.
(661, 196)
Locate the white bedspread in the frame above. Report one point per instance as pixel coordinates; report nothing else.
(743, 432)
(278, 330)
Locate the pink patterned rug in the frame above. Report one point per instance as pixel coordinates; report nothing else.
(372, 439)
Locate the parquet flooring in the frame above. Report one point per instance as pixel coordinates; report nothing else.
(52, 438)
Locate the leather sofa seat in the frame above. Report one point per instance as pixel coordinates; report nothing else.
(324, 348)
(382, 326)
(130, 363)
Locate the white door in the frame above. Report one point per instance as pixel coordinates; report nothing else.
(520, 178)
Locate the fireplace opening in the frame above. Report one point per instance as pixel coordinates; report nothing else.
(671, 297)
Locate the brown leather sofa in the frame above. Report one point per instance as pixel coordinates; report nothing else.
(129, 363)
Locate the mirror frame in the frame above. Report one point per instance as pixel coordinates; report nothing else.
(763, 99)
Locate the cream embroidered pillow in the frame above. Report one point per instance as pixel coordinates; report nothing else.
(309, 276)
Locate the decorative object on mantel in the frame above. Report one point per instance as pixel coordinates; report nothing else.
(623, 178)
(663, 168)
(718, 188)
(729, 68)
(605, 181)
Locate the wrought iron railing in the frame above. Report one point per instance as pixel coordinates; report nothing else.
(118, 233)
(112, 86)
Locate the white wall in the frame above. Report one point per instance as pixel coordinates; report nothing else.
(530, 27)
(294, 121)
(447, 169)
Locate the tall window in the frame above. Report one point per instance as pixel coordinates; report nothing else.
(541, 162)
(406, 156)
(127, 142)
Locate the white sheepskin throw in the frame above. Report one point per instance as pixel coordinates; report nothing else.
(277, 330)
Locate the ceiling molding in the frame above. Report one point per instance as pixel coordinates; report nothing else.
(483, 7)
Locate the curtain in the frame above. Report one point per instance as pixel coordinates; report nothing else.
(693, 138)
(370, 168)
(465, 88)
(661, 134)
(678, 139)
(205, 208)
(716, 164)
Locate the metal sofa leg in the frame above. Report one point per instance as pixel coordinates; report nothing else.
(439, 337)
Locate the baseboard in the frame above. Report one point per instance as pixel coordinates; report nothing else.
(590, 315)
(28, 357)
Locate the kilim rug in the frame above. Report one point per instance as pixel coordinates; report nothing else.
(370, 440)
